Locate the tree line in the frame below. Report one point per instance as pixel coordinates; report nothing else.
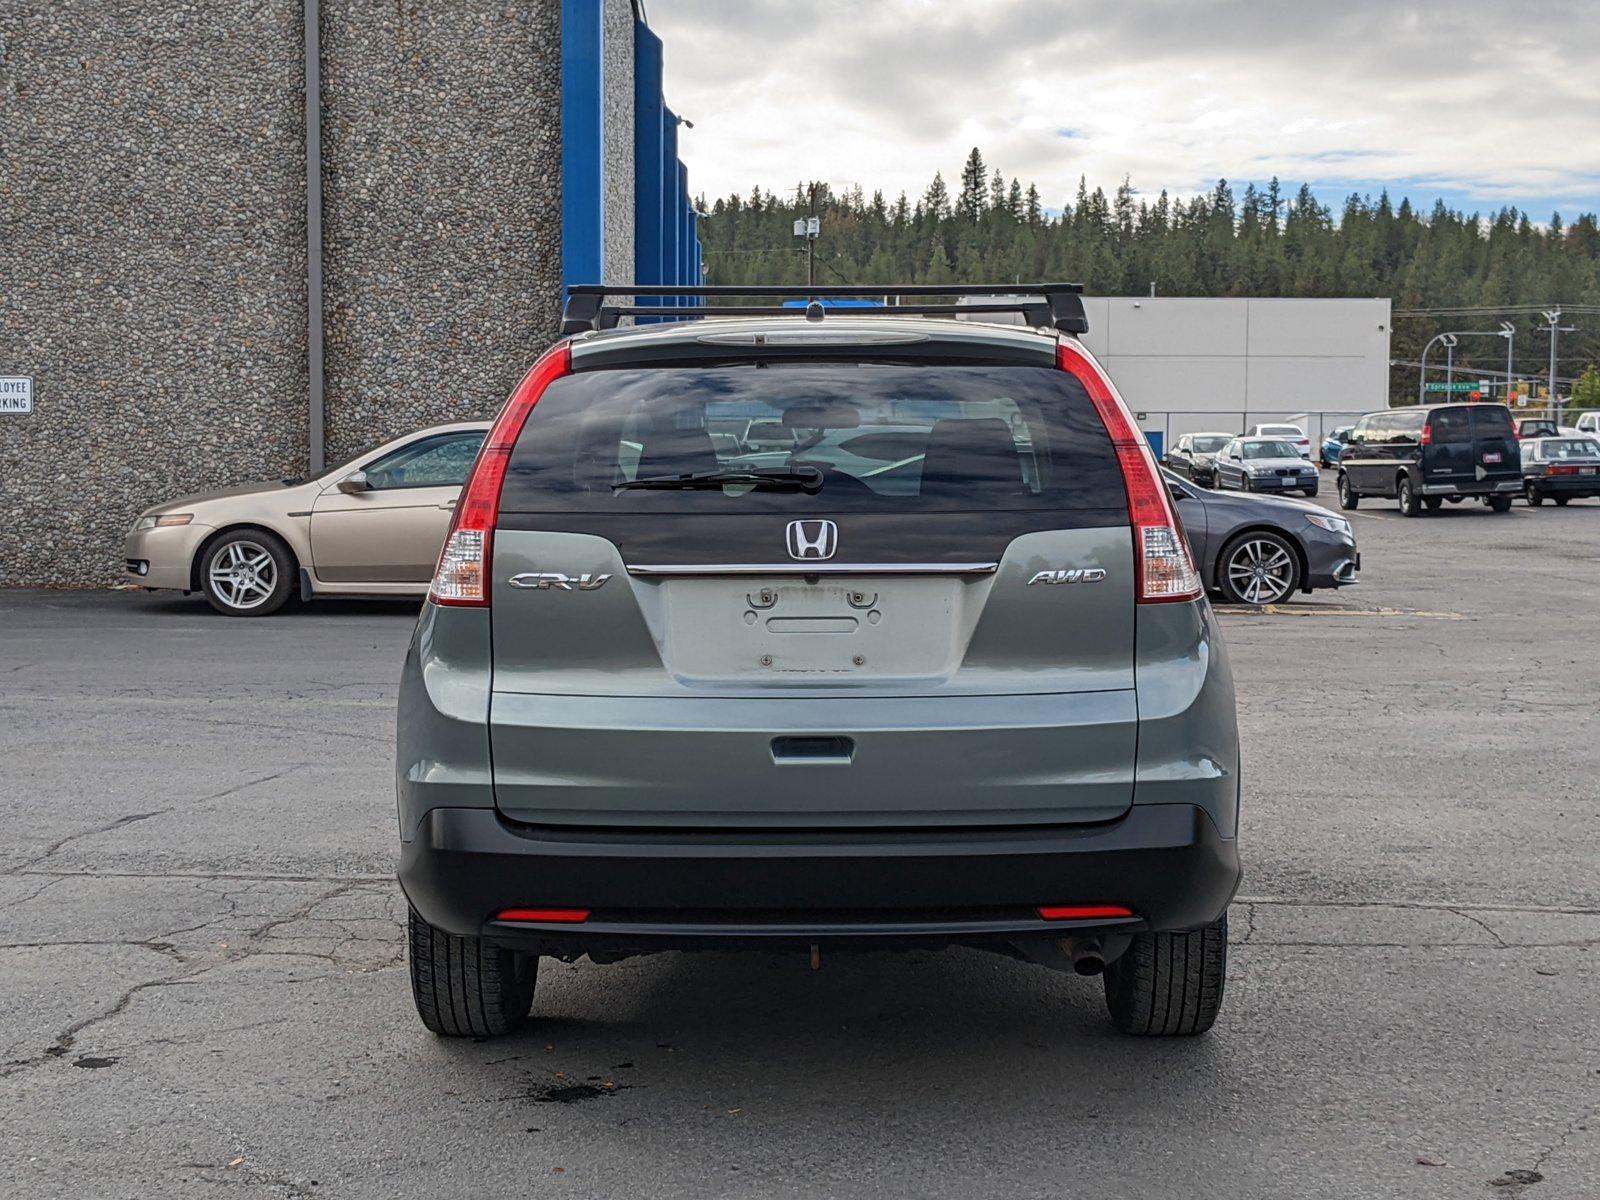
(1264, 241)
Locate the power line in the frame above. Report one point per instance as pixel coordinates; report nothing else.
(1529, 309)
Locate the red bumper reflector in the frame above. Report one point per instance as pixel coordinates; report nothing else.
(1083, 912)
(546, 916)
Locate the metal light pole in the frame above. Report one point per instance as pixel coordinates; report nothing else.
(1448, 339)
(1555, 329)
(1450, 364)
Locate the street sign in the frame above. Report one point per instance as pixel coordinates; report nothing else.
(16, 394)
(1454, 388)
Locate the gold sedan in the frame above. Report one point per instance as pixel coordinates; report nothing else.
(372, 526)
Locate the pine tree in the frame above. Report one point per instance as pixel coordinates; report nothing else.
(936, 200)
(1262, 244)
(969, 205)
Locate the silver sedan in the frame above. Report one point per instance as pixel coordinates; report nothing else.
(1262, 464)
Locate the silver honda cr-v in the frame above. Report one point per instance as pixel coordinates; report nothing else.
(818, 631)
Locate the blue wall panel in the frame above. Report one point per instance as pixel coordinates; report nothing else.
(666, 230)
(648, 157)
(671, 228)
(582, 140)
(686, 219)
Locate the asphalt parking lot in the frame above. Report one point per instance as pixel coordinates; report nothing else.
(202, 976)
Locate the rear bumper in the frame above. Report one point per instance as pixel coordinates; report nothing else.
(1473, 487)
(656, 890)
(1580, 486)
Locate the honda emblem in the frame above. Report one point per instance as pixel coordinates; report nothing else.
(811, 539)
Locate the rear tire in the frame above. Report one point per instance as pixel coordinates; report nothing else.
(1561, 501)
(465, 987)
(1406, 494)
(1500, 503)
(1532, 495)
(1169, 984)
(1348, 497)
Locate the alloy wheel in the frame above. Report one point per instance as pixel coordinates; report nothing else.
(1261, 571)
(243, 574)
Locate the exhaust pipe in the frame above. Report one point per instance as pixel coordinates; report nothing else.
(1087, 954)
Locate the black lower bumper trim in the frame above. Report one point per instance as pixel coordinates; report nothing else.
(661, 890)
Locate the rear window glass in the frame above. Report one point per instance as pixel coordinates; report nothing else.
(1492, 421)
(1292, 431)
(1569, 448)
(1210, 445)
(1450, 425)
(883, 437)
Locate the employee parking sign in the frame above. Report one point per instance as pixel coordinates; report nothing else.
(16, 394)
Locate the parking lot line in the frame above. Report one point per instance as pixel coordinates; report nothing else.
(1329, 610)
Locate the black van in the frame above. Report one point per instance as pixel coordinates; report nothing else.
(1428, 454)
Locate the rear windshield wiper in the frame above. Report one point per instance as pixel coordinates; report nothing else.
(805, 479)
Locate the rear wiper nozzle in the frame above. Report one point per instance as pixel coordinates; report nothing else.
(804, 479)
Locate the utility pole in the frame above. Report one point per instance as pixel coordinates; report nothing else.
(1509, 332)
(808, 228)
(1554, 328)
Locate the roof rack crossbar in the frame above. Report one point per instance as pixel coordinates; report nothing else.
(1059, 305)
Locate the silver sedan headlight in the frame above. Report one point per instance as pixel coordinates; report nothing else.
(1330, 523)
(162, 521)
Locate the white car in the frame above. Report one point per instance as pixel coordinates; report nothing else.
(1288, 433)
(1589, 423)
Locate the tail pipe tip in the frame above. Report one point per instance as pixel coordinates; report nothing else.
(1087, 955)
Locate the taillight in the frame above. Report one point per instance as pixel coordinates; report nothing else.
(462, 577)
(1164, 568)
(1427, 433)
(1561, 470)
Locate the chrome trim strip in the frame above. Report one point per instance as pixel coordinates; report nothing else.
(814, 568)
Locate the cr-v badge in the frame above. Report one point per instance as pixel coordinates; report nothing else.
(1078, 575)
(544, 580)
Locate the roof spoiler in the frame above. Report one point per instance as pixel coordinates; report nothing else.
(1056, 305)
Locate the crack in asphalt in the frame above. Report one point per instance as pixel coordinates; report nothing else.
(133, 818)
(120, 822)
(1579, 1122)
(68, 1037)
(214, 876)
(252, 947)
(1481, 924)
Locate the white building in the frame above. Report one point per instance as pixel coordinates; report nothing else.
(1185, 365)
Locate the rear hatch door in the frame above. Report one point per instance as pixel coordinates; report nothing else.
(1494, 450)
(928, 623)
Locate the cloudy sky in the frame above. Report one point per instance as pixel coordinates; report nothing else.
(1482, 102)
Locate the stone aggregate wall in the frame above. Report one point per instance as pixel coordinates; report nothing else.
(441, 206)
(617, 123)
(152, 266)
(152, 243)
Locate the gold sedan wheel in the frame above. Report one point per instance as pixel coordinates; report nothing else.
(247, 574)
